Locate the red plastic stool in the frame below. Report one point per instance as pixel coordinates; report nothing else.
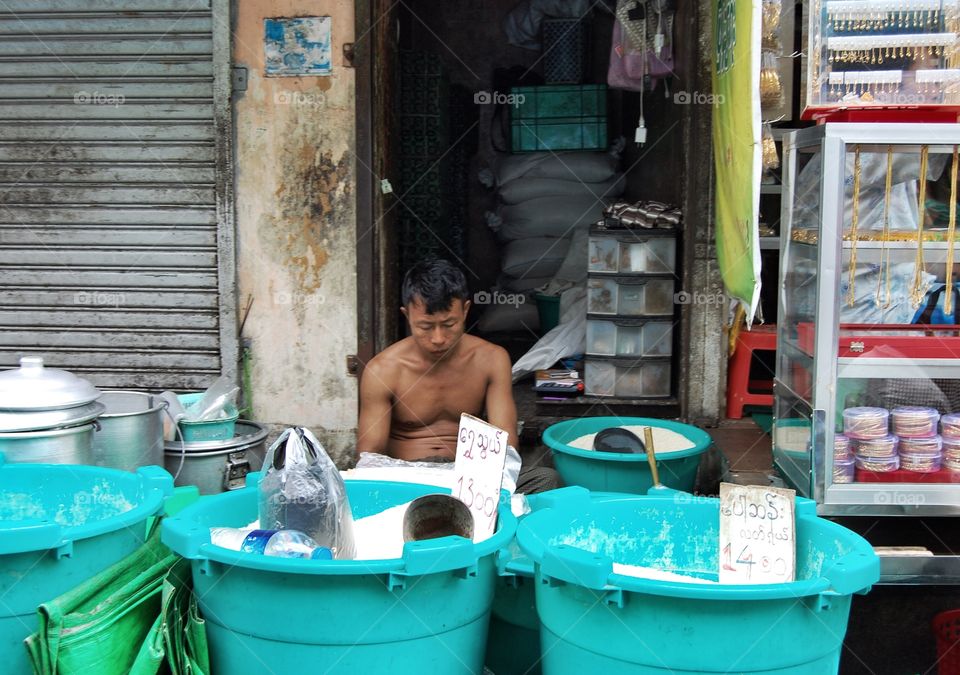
(739, 384)
(946, 626)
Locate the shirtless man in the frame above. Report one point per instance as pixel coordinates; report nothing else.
(413, 392)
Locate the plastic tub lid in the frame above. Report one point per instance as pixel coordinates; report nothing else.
(921, 446)
(878, 463)
(865, 412)
(951, 423)
(883, 446)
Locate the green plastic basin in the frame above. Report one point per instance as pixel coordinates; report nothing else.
(426, 612)
(59, 526)
(596, 621)
(615, 472)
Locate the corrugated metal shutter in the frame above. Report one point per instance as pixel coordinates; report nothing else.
(115, 235)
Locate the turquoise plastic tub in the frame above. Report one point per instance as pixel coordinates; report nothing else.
(615, 472)
(211, 430)
(426, 612)
(513, 646)
(593, 620)
(59, 526)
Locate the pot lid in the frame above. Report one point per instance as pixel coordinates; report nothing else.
(39, 420)
(33, 387)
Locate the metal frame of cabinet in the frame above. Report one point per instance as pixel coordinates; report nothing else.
(810, 469)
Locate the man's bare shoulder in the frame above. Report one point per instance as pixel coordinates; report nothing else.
(494, 356)
(392, 359)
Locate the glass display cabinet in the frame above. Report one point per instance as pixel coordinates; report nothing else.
(868, 346)
(879, 54)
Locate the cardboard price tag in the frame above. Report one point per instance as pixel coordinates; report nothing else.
(478, 473)
(758, 543)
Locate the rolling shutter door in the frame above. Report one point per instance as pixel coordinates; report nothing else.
(115, 230)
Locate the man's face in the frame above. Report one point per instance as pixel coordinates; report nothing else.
(438, 334)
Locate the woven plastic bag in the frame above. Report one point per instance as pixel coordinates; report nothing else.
(301, 489)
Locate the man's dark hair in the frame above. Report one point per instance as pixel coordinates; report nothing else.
(436, 283)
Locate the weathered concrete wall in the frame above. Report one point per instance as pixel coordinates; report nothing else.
(296, 228)
(703, 371)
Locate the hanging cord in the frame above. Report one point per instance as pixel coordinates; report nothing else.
(884, 251)
(951, 226)
(854, 224)
(919, 289)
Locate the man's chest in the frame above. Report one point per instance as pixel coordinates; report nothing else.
(432, 396)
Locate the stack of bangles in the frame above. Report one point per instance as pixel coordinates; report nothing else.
(843, 461)
(915, 422)
(865, 423)
(951, 454)
(877, 454)
(922, 455)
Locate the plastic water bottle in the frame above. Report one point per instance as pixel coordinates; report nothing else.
(277, 543)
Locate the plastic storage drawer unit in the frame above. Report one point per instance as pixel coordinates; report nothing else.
(627, 378)
(629, 337)
(630, 296)
(630, 252)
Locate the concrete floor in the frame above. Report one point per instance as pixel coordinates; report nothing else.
(889, 630)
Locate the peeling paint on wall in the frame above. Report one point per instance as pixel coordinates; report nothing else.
(296, 231)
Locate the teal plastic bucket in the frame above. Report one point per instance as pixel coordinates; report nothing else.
(426, 612)
(59, 526)
(513, 646)
(593, 620)
(615, 472)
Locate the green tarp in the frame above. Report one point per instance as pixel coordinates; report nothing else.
(138, 617)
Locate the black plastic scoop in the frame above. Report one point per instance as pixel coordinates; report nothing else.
(618, 439)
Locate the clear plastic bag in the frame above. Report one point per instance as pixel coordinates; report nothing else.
(212, 405)
(301, 489)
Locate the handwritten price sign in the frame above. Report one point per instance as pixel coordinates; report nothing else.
(758, 543)
(478, 473)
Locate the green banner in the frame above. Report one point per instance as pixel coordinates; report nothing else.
(736, 147)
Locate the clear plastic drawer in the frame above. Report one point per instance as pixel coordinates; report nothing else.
(629, 337)
(632, 378)
(631, 296)
(632, 253)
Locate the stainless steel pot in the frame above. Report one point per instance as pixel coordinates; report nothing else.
(72, 445)
(218, 466)
(46, 414)
(131, 431)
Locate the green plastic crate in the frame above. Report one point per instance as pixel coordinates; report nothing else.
(558, 117)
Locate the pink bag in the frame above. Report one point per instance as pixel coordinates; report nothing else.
(628, 67)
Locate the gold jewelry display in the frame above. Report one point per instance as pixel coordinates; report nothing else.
(854, 223)
(881, 302)
(951, 229)
(919, 290)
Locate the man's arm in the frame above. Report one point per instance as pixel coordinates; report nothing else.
(501, 410)
(376, 409)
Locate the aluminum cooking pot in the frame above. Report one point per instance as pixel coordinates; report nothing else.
(46, 415)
